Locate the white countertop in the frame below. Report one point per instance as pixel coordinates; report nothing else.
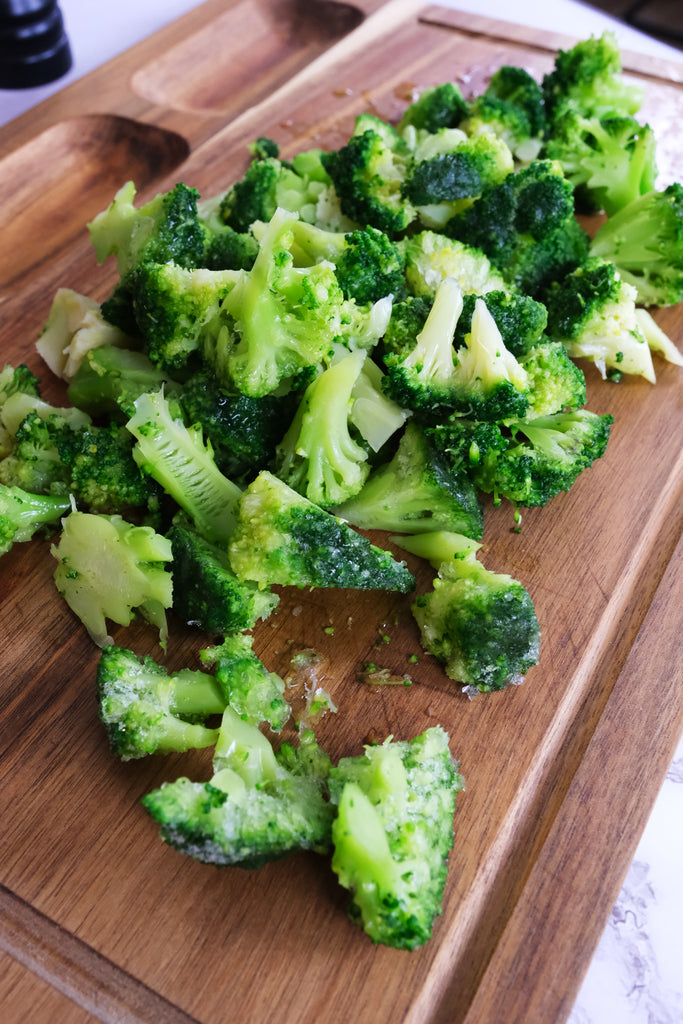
(635, 976)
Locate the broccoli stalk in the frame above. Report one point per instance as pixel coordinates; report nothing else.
(23, 514)
(480, 624)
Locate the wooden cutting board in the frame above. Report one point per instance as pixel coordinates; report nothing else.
(560, 772)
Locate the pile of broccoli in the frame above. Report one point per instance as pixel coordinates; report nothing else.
(387, 337)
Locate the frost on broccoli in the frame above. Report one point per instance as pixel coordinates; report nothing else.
(147, 710)
(416, 492)
(480, 624)
(283, 538)
(258, 806)
(110, 569)
(393, 833)
(23, 514)
(256, 694)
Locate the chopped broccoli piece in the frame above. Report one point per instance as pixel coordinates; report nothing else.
(555, 382)
(480, 624)
(206, 591)
(14, 380)
(520, 319)
(482, 379)
(369, 173)
(177, 457)
(609, 161)
(22, 514)
(656, 338)
(593, 313)
(587, 78)
(108, 568)
(109, 379)
(374, 415)
(268, 184)
(439, 106)
(468, 445)
(256, 694)
(548, 457)
(526, 226)
(282, 537)
(645, 242)
(430, 257)
(227, 249)
(258, 806)
(416, 492)
(147, 710)
(318, 457)
(512, 107)
(393, 833)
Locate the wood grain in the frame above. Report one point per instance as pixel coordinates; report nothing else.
(554, 768)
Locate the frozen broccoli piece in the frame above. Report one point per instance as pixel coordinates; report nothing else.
(23, 514)
(256, 694)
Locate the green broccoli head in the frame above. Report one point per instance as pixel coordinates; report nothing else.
(609, 161)
(645, 242)
(206, 591)
(109, 569)
(438, 106)
(258, 806)
(520, 319)
(145, 710)
(256, 694)
(393, 833)
(283, 538)
(480, 624)
(592, 311)
(587, 78)
(268, 184)
(416, 492)
(431, 256)
(512, 107)
(14, 380)
(23, 514)
(555, 382)
(37, 443)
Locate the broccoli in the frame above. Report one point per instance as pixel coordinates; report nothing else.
(227, 249)
(282, 537)
(439, 106)
(176, 309)
(177, 457)
(147, 710)
(318, 457)
(526, 227)
(285, 318)
(206, 591)
(512, 107)
(258, 806)
(482, 379)
(657, 340)
(393, 833)
(480, 624)
(520, 319)
(431, 256)
(593, 313)
(271, 183)
(256, 694)
(548, 457)
(369, 173)
(373, 414)
(468, 445)
(14, 380)
(587, 78)
(108, 568)
(416, 492)
(645, 242)
(35, 462)
(109, 379)
(609, 161)
(555, 382)
(23, 514)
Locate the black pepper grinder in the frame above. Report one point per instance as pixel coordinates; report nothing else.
(34, 48)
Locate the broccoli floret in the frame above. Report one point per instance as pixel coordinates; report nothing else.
(548, 457)
(554, 380)
(14, 380)
(147, 710)
(176, 308)
(645, 242)
(526, 226)
(109, 379)
(206, 591)
(609, 161)
(482, 379)
(520, 319)
(258, 806)
(368, 174)
(285, 317)
(268, 184)
(430, 257)
(227, 249)
(256, 694)
(282, 537)
(468, 445)
(318, 456)
(593, 313)
(177, 457)
(109, 569)
(449, 169)
(587, 78)
(393, 833)
(439, 106)
(242, 430)
(480, 624)
(512, 107)
(416, 492)
(23, 514)
(36, 461)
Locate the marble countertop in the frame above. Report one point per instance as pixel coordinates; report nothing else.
(635, 976)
